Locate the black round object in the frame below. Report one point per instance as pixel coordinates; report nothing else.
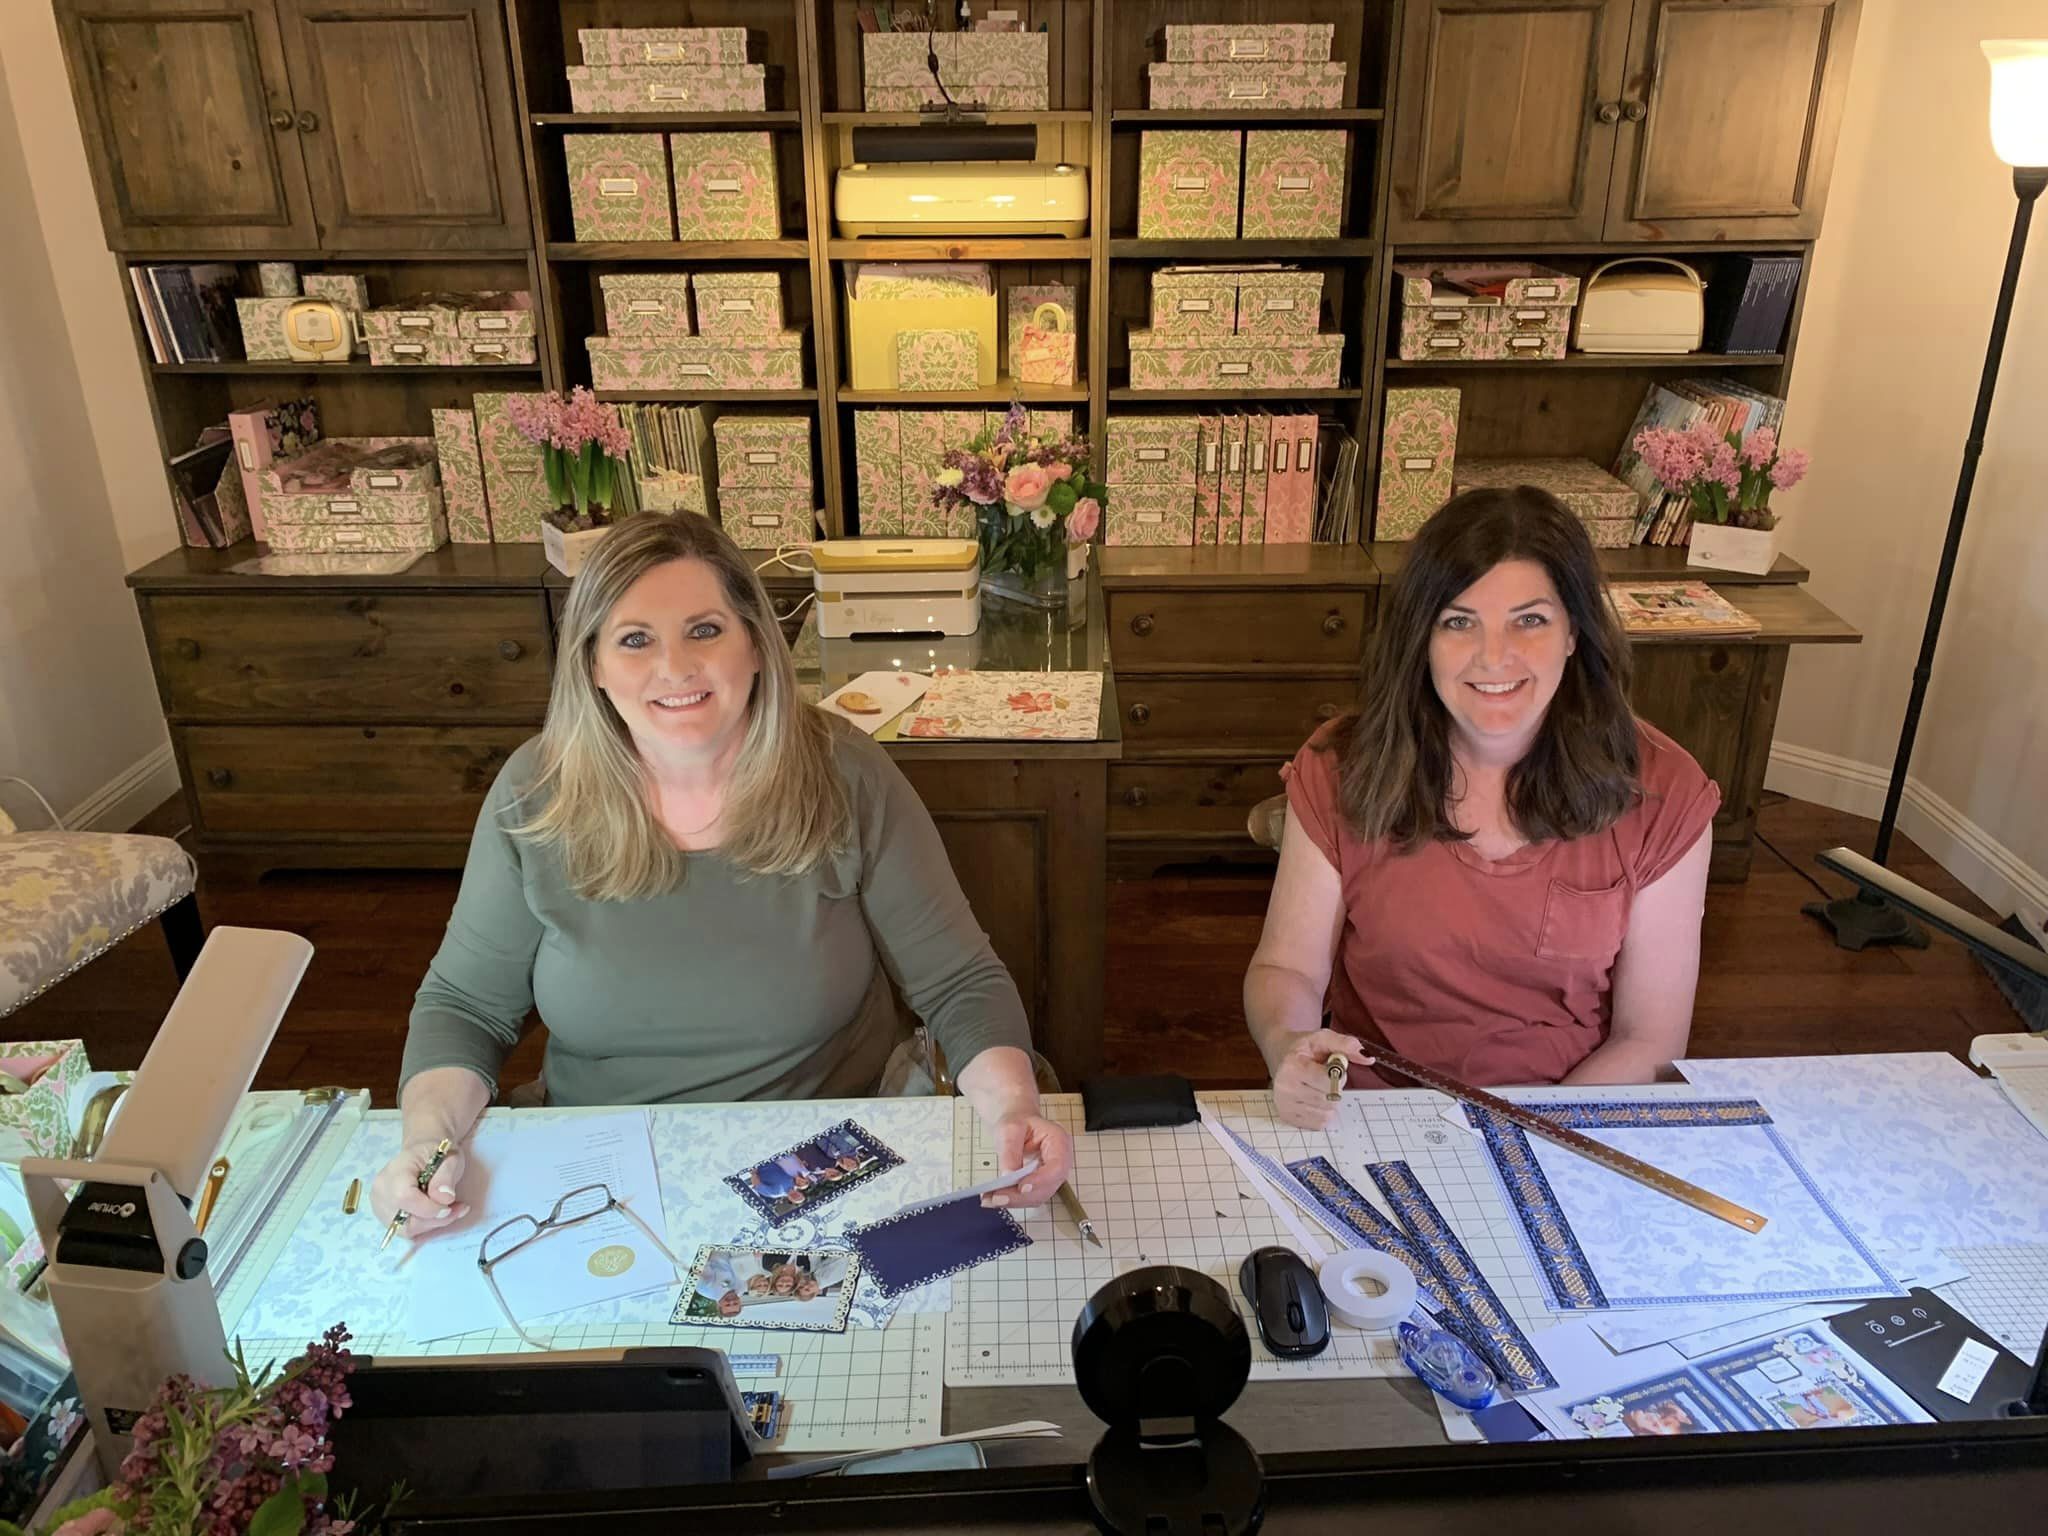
(1208, 1485)
(1161, 1342)
(191, 1258)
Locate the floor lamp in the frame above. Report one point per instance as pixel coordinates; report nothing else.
(2019, 135)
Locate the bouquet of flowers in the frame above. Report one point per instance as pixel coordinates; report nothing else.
(248, 1459)
(1729, 479)
(583, 448)
(1030, 495)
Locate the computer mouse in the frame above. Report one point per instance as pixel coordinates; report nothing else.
(1287, 1302)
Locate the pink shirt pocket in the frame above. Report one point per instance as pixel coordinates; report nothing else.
(1583, 924)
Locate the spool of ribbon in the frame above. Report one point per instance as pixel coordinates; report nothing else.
(1367, 1289)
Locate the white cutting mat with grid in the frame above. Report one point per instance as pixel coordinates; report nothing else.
(2005, 1293)
(1175, 1197)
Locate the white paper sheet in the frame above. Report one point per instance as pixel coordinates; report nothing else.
(520, 1166)
(888, 694)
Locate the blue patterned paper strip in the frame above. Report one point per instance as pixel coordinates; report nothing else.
(1648, 1114)
(1562, 1262)
(1344, 1204)
(1498, 1336)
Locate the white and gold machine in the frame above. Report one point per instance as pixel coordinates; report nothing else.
(1001, 197)
(1645, 304)
(897, 587)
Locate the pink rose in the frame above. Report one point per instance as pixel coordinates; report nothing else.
(1058, 470)
(1084, 520)
(1026, 487)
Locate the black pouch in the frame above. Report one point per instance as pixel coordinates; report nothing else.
(1135, 1103)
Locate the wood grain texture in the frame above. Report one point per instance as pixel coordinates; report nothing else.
(1228, 717)
(1639, 562)
(1186, 801)
(1165, 631)
(370, 658)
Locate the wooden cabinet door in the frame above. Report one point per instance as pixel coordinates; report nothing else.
(1730, 117)
(405, 112)
(187, 116)
(1504, 119)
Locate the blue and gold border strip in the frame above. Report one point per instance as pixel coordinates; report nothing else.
(1562, 1262)
(1342, 1203)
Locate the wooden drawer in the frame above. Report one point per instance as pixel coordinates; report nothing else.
(342, 782)
(1251, 716)
(451, 656)
(1221, 630)
(1202, 800)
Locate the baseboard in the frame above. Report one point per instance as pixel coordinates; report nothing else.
(130, 795)
(1993, 872)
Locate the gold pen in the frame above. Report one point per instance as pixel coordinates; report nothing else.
(216, 1176)
(1339, 1070)
(400, 1218)
(1071, 1202)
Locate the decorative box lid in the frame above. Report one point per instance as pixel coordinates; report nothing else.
(1485, 282)
(1580, 484)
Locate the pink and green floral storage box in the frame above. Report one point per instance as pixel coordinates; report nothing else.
(1194, 301)
(1278, 303)
(646, 303)
(417, 352)
(878, 470)
(1491, 282)
(478, 351)
(668, 88)
(705, 362)
(1007, 71)
(262, 322)
(1152, 450)
(1272, 362)
(496, 316)
(725, 186)
(351, 290)
(462, 477)
(937, 360)
(739, 303)
(619, 186)
(1188, 182)
(421, 320)
(760, 452)
(338, 535)
(663, 45)
(1286, 42)
(1606, 506)
(767, 519)
(1020, 303)
(1418, 452)
(515, 480)
(1220, 87)
(1487, 310)
(1150, 515)
(1293, 183)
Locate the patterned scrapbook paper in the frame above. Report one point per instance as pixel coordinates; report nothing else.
(646, 303)
(1418, 449)
(725, 186)
(1009, 706)
(618, 186)
(1293, 183)
(515, 484)
(937, 360)
(1188, 183)
(462, 477)
(914, 1248)
(668, 88)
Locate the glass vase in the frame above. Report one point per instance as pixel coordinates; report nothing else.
(1044, 588)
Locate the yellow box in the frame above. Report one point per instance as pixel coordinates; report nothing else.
(872, 326)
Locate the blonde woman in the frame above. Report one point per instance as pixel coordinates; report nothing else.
(693, 876)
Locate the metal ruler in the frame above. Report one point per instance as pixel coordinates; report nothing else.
(292, 1175)
(1646, 1174)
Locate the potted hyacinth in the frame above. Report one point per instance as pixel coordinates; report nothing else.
(1034, 507)
(583, 448)
(1729, 480)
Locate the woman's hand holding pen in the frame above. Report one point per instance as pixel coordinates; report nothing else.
(1302, 1080)
(396, 1189)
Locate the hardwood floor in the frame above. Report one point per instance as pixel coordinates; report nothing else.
(1772, 982)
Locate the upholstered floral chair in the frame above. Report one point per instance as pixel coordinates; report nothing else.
(68, 897)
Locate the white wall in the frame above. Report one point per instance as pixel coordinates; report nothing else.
(1903, 286)
(85, 498)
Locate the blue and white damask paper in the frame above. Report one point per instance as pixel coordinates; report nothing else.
(1913, 1148)
(1601, 1240)
(332, 1271)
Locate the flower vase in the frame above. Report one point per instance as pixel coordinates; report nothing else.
(1044, 588)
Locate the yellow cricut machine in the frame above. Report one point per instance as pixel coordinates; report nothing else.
(897, 587)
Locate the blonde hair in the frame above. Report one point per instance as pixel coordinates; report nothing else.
(786, 808)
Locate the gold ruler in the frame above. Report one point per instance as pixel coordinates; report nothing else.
(1646, 1174)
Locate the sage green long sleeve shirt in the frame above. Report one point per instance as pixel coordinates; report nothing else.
(733, 986)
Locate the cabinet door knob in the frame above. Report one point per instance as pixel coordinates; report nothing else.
(1140, 713)
(1328, 711)
(1142, 624)
(280, 120)
(220, 778)
(308, 123)
(187, 649)
(1635, 111)
(1608, 112)
(1135, 795)
(511, 650)
(1334, 624)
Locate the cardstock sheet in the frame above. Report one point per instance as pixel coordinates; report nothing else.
(909, 1250)
(1009, 706)
(890, 693)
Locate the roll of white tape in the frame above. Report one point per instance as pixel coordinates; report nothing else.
(1367, 1289)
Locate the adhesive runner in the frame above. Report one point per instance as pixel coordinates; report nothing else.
(1649, 1176)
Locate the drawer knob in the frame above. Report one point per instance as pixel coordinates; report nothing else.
(1142, 624)
(1635, 111)
(457, 689)
(281, 120)
(220, 778)
(1136, 796)
(511, 650)
(188, 650)
(1608, 111)
(1140, 713)
(308, 123)
(1328, 711)
(1334, 624)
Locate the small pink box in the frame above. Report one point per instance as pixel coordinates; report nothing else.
(1194, 301)
(668, 88)
(763, 452)
(1293, 183)
(767, 518)
(663, 45)
(1220, 87)
(725, 186)
(1150, 515)
(619, 186)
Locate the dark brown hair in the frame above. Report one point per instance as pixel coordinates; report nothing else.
(1394, 754)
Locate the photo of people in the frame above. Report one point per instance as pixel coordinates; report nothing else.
(1669, 1406)
(813, 1172)
(809, 1288)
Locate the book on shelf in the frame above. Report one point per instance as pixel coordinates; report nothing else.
(1678, 404)
(1748, 307)
(195, 485)
(188, 311)
(1676, 608)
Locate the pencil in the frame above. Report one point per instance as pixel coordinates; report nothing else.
(426, 1177)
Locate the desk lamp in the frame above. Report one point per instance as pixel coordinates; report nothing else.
(2019, 136)
(127, 1271)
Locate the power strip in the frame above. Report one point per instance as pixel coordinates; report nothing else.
(2020, 1063)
